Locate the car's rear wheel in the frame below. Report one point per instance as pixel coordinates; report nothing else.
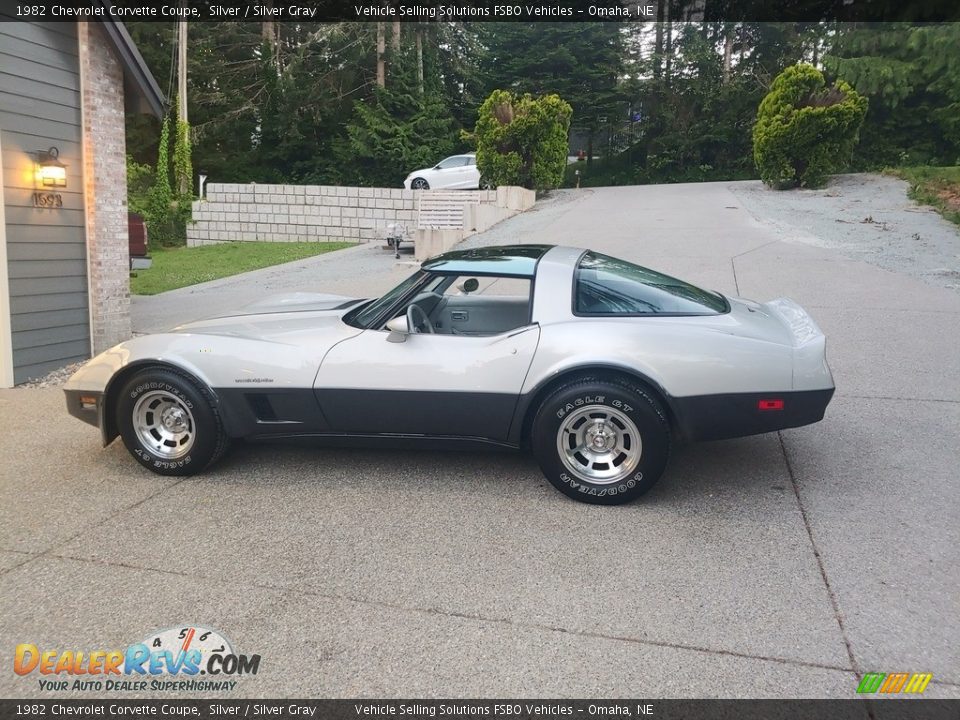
(486, 184)
(601, 441)
(169, 422)
(419, 184)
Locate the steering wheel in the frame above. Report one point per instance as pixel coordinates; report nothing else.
(424, 323)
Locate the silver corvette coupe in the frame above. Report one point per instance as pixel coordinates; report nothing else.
(597, 365)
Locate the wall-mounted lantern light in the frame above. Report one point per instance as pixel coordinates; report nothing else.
(51, 173)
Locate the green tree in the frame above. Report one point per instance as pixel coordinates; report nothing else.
(397, 129)
(805, 130)
(522, 140)
(580, 62)
(911, 73)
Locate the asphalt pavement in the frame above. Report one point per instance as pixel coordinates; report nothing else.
(781, 565)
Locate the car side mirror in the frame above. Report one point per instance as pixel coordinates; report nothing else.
(398, 329)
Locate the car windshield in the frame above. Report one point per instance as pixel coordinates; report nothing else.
(608, 286)
(365, 315)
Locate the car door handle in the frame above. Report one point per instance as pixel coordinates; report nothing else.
(459, 315)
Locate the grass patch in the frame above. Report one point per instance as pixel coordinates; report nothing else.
(938, 187)
(174, 268)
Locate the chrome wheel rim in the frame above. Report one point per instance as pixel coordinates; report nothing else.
(164, 424)
(599, 444)
(419, 184)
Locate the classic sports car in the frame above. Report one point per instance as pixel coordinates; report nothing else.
(596, 364)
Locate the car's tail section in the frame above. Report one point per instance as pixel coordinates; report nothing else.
(810, 369)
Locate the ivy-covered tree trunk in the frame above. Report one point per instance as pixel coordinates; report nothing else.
(159, 212)
(183, 168)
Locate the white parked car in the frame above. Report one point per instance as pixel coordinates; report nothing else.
(597, 365)
(457, 172)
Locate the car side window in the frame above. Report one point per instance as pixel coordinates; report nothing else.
(499, 286)
(452, 162)
(468, 305)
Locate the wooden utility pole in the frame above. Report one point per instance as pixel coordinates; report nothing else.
(184, 183)
(395, 38)
(182, 71)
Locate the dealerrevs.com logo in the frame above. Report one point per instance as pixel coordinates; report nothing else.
(187, 658)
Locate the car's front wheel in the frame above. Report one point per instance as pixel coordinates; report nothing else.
(169, 423)
(419, 184)
(601, 441)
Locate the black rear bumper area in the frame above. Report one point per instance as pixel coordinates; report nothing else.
(717, 417)
(85, 405)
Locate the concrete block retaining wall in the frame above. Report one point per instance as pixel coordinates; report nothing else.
(302, 213)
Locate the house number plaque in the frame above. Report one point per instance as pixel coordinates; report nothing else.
(47, 200)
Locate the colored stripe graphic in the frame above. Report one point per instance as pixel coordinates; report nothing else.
(871, 682)
(894, 682)
(918, 683)
(914, 683)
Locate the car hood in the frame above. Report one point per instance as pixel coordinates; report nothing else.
(282, 338)
(278, 318)
(297, 302)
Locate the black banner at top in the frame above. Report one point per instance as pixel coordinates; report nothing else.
(483, 10)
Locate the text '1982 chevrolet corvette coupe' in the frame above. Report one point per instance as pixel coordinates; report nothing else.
(596, 364)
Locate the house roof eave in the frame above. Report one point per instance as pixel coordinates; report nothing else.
(135, 67)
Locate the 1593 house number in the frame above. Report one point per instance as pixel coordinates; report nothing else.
(47, 200)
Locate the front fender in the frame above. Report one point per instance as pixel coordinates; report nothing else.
(88, 391)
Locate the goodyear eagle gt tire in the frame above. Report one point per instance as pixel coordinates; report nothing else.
(601, 441)
(169, 422)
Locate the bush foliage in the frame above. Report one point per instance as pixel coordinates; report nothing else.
(805, 130)
(522, 140)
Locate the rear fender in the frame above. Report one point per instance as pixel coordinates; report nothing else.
(810, 369)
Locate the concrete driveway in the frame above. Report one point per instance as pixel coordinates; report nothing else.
(782, 565)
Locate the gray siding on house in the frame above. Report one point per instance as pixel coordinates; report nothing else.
(46, 248)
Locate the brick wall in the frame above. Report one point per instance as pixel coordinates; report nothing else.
(301, 213)
(105, 188)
